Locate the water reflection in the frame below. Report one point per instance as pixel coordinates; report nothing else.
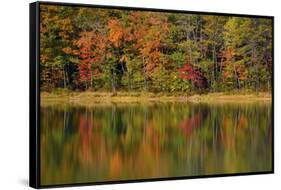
(120, 142)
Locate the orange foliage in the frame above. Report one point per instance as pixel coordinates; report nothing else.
(231, 67)
(116, 32)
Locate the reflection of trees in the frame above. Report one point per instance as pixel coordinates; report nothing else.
(85, 131)
(116, 122)
(123, 142)
(191, 123)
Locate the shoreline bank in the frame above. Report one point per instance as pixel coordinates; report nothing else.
(87, 98)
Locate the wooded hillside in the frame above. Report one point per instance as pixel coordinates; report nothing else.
(110, 50)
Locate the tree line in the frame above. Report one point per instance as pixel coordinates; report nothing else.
(109, 50)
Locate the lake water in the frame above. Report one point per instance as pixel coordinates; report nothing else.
(135, 141)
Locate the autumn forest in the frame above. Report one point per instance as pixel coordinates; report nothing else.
(112, 50)
(138, 94)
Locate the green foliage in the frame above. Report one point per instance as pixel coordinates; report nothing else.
(109, 50)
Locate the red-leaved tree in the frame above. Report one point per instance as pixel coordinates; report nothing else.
(91, 47)
(187, 72)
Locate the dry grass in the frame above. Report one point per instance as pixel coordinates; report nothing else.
(221, 97)
(93, 98)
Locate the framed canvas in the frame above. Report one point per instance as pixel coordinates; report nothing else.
(122, 94)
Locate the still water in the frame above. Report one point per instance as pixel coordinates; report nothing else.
(121, 141)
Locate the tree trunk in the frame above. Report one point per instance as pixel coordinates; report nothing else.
(113, 87)
(254, 61)
(64, 78)
(215, 63)
(257, 77)
(214, 66)
(91, 82)
(237, 77)
(144, 74)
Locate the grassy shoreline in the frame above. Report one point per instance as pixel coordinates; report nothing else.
(89, 98)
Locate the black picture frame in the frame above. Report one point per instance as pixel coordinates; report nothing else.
(34, 93)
